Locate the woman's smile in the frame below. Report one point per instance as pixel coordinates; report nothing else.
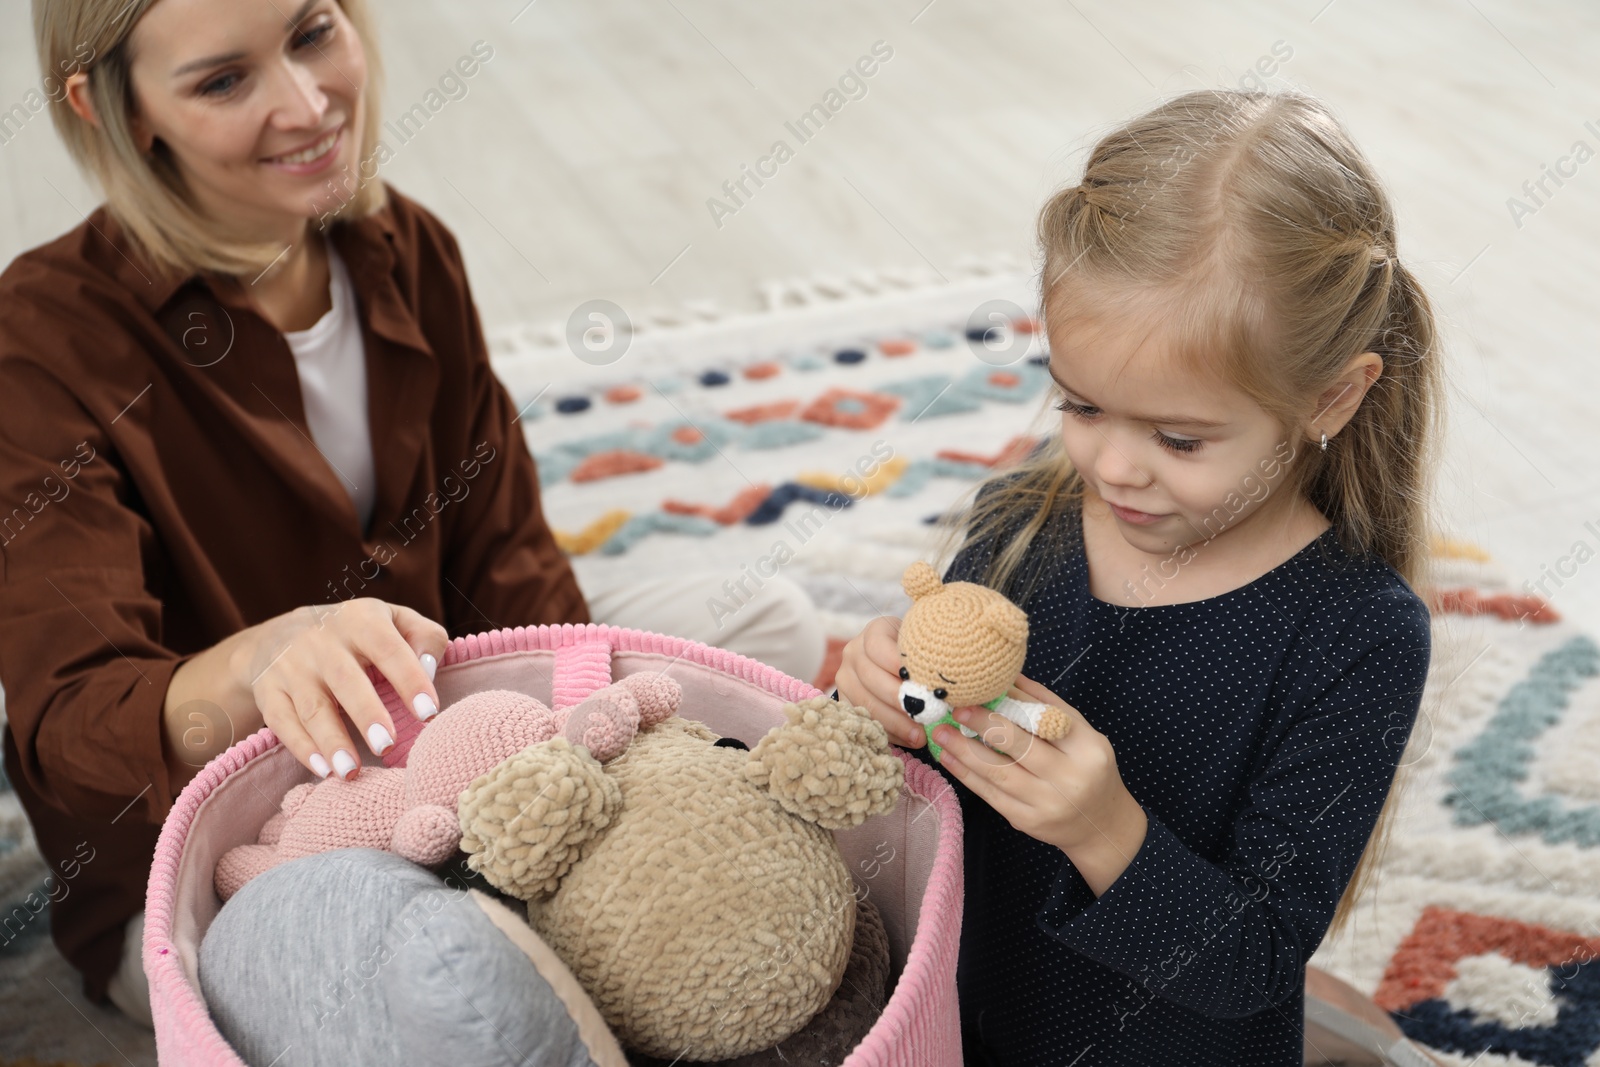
(312, 158)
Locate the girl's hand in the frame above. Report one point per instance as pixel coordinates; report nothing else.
(304, 665)
(1066, 792)
(869, 677)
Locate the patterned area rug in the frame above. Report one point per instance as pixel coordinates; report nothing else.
(813, 442)
(1482, 934)
(818, 442)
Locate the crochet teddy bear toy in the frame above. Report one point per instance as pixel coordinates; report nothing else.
(411, 811)
(693, 888)
(963, 645)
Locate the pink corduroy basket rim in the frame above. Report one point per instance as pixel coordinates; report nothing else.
(178, 1009)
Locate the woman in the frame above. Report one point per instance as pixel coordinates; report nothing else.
(250, 444)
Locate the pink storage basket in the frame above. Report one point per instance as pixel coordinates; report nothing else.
(909, 860)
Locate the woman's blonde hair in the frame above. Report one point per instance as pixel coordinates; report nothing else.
(145, 191)
(1260, 238)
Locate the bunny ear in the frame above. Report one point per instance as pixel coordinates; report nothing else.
(658, 695)
(604, 723)
(920, 580)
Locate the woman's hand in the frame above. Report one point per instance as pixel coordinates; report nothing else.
(304, 665)
(1065, 792)
(869, 677)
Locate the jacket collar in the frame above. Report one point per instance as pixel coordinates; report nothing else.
(367, 245)
(266, 399)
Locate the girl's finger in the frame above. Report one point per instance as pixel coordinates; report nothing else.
(1026, 790)
(1041, 758)
(998, 735)
(961, 756)
(1016, 761)
(875, 686)
(874, 659)
(277, 711)
(881, 672)
(883, 685)
(881, 642)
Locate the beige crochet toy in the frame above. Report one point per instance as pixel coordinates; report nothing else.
(963, 645)
(698, 894)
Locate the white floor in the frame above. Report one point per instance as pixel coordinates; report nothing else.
(580, 161)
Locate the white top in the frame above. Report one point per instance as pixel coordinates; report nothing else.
(333, 388)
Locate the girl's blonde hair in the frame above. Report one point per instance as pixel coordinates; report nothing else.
(145, 191)
(1260, 238)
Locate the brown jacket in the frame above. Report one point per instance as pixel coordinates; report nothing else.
(160, 490)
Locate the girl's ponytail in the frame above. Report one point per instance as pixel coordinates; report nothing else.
(1373, 480)
(1380, 491)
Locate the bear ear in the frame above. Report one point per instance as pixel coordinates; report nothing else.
(526, 822)
(830, 764)
(1005, 619)
(920, 580)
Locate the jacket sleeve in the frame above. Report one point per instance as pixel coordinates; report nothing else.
(502, 566)
(1231, 938)
(81, 654)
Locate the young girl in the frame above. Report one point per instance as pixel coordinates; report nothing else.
(1220, 556)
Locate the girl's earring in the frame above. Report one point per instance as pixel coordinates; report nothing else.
(1324, 442)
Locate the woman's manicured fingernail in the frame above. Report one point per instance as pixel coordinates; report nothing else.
(319, 765)
(424, 707)
(344, 763)
(379, 738)
(429, 665)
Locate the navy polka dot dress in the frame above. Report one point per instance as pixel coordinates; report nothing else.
(1260, 731)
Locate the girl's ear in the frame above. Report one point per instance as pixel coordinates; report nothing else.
(1338, 403)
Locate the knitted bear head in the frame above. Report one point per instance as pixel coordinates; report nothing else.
(961, 644)
(692, 887)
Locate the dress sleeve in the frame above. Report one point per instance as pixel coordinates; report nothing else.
(81, 654)
(1231, 938)
(502, 566)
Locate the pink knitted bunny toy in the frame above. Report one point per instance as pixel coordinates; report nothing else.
(411, 811)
